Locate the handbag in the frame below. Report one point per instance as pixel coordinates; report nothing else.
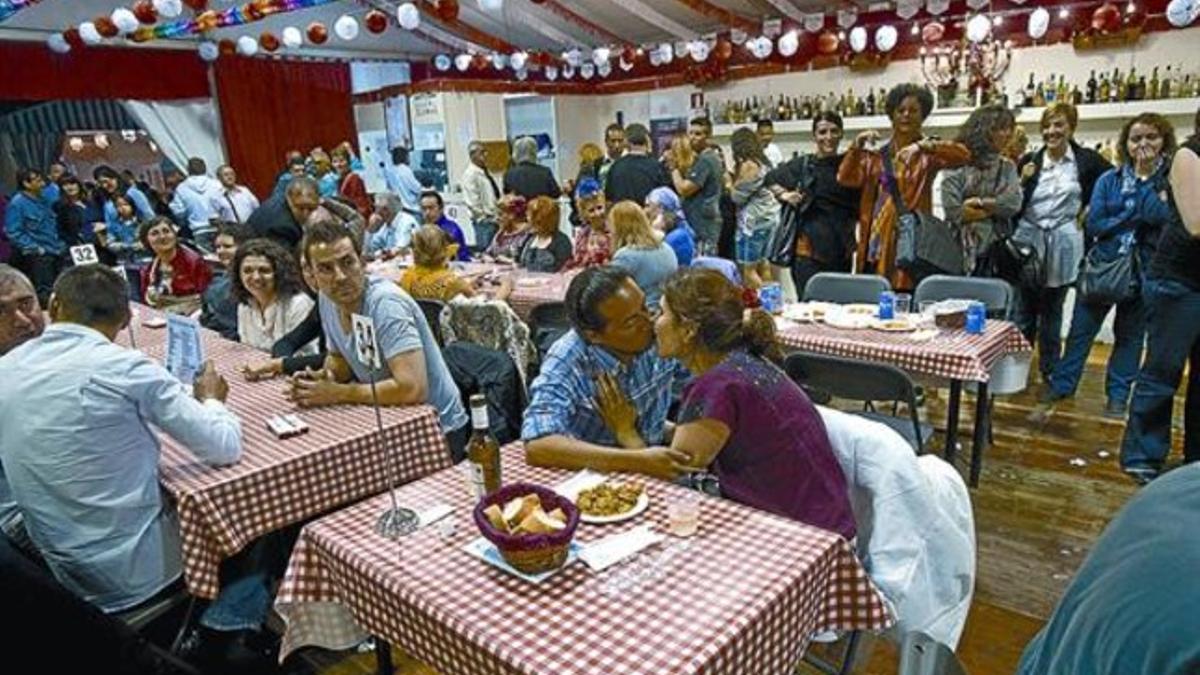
(781, 246)
(1107, 277)
(1016, 262)
(925, 244)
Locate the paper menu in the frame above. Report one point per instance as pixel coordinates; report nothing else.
(185, 349)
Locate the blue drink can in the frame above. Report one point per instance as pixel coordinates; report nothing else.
(976, 318)
(887, 305)
(771, 297)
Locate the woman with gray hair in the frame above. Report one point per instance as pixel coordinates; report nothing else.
(526, 177)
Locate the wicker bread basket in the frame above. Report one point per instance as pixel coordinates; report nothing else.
(530, 553)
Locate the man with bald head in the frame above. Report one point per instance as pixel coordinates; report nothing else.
(282, 217)
(21, 316)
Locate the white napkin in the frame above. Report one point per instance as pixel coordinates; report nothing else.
(604, 553)
(571, 487)
(432, 514)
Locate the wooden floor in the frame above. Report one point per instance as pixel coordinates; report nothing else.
(1036, 516)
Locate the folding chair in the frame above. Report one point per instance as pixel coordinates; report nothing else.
(433, 317)
(922, 655)
(547, 322)
(845, 288)
(995, 294)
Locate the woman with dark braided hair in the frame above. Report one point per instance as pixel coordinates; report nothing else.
(741, 416)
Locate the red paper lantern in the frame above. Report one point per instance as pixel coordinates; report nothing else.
(145, 12)
(629, 54)
(446, 10)
(255, 11)
(105, 27)
(317, 33)
(932, 32)
(480, 62)
(227, 47)
(71, 35)
(376, 21)
(196, 5)
(268, 41)
(828, 42)
(1106, 18)
(723, 50)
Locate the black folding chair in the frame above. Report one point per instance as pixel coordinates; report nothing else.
(863, 381)
(845, 288)
(547, 322)
(433, 317)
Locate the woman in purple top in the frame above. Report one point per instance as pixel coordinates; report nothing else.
(742, 416)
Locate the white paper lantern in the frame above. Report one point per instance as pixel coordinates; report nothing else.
(979, 27)
(101, 141)
(761, 47)
(1039, 23)
(886, 38)
(518, 60)
(124, 20)
(462, 62)
(789, 44)
(937, 7)
(76, 143)
(168, 9)
(1181, 13)
(625, 65)
(573, 58)
(209, 51)
(858, 39)
(601, 55)
(738, 36)
(346, 27)
(551, 73)
(907, 9)
(604, 69)
(568, 71)
(247, 46)
(698, 50)
(666, 53)
(442, 62)
(847, 17)
(978, 4)
(58, 44)
(522, 74)
(491, 6)
(655, 58)
(89, 34)
(291, 37)
(680, 48)
(499, 61)
(587, 70)
(409, 16)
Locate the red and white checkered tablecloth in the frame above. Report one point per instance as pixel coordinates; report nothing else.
(743, 598)
(530, 289)
(277, 482)
(952, 354)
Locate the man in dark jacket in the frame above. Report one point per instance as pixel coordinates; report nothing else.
(636, 173)
(282, 217)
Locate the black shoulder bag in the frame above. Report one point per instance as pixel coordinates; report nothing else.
(925, 244)
(781, 246)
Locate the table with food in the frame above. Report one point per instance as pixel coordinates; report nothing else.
(574, 572)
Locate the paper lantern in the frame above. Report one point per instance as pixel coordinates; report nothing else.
(723, 50)
(1106, 18)
(76, 143)
(1039, 23)
(626, 66)
(89, 34)
(247, 46)
(268, 41)
(937, 7)
(698, 50)
(491, 6)
(168, 9)
(629, 54)
(480, 61)
(518, 60)
(666, 53)
(587, 70)
(568, 71)
(346, 27)
(196, 5)
(858, 39)
(105, 27)
(604, 69)
(101, 141)
(932, 32)
(977, 4)
(462, 62)
(442, 62)
(209, 51)
(1181, 13)
(499, 61)
(814, 22)
(292, 37)
(551, 73)
(655, 58)
(145, 12)
(317, 33)
(375, 21)
(979, 27)
(847, 17)
(522, 75)
(907, 9)
(227, 47)
(828, 42)
(886, 37)
(446, 10)
(125, 21)
(573, 57)
(409, 16)
(789, 44)
(58, 44)
(601, 55)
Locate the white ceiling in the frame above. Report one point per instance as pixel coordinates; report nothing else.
(520, 22)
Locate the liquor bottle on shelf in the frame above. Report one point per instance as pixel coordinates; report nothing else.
(1131, 86)
(1090, 92)
(1030, 93)
(1118, 90)
(1105, 89)
(870, 101)
(1039, 96)
(1154, 90)
(1049, 91)
(1063, 93)
(1076, 95)
(1164, 87)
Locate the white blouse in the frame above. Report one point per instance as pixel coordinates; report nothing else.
(262, 330)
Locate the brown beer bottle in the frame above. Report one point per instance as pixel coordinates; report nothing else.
(483, 451)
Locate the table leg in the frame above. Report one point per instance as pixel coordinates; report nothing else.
(983, 424)
(952, 419)
(383, 657)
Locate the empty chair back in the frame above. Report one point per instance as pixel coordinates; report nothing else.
(922, 655)
(995, 294)
(433, 316)
(845, 288)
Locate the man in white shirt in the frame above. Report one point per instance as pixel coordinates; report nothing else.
(236, 202)
(766, 138)
(401, 181)
(480, 192)
(390, 228)
(193, 202)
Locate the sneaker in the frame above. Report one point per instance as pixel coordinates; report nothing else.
(1114, 409)
(1140, 475)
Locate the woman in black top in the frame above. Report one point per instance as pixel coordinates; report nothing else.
(826, 237)
(1172, 296)
(547, 249)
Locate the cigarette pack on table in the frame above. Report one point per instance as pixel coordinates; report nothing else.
(286, 426)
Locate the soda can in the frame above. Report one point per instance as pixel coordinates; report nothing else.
(770, 296)
(887, 305)
(976, 318)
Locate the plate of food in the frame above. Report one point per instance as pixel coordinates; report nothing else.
(808, 312)
(894, 325)
(612, 502)
(844, 319)
(860, 309)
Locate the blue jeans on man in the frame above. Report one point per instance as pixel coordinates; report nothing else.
(1173, 329)
(1129, 332)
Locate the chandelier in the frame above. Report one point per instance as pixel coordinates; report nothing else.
(980, 62)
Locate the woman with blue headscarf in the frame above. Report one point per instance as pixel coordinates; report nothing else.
(665, 211)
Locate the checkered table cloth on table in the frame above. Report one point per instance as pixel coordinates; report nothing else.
(743, 598)
(280, 482)
(953, 354)
(530, 289)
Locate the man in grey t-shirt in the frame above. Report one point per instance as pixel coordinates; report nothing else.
(700, 187)
(413, 370)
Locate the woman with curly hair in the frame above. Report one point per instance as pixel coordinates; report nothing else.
(270, 293)
(980, 198)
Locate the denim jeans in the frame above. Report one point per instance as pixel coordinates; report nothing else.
(1173, 327)
(485, 232)
(246, 581)
(1039, 316)
(1129, 330)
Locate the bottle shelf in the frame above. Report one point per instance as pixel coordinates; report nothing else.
(951, 118)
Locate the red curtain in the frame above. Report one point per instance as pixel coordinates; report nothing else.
(31, 72)
(269, 107)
